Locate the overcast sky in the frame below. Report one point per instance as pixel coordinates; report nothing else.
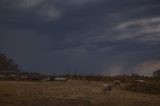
(105, 37)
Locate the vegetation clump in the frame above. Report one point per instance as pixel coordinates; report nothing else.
(7, 64)
(150, 87)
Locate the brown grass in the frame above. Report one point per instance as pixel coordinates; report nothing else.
(71, 93)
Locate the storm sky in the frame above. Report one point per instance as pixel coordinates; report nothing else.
(105, 37)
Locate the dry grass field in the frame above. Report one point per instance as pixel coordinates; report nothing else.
(71, 93)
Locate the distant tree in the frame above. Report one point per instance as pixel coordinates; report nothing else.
(135, 76)
(156, 73)
(7, 64)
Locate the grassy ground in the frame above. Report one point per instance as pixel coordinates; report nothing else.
(71, 93)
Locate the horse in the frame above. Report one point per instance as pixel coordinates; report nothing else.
(106, 87)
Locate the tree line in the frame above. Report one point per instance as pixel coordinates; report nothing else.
(7, 64)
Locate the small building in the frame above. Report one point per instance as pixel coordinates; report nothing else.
(60, 79)
(140, 81)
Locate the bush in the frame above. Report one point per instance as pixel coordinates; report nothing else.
(148, 87)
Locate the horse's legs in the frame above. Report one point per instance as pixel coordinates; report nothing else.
(109, 91)
(105, 92)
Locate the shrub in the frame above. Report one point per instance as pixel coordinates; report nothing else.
(147, 87)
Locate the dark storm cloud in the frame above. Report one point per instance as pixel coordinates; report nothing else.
(84, 36)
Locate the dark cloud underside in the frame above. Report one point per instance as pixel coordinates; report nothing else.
(83, 36)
